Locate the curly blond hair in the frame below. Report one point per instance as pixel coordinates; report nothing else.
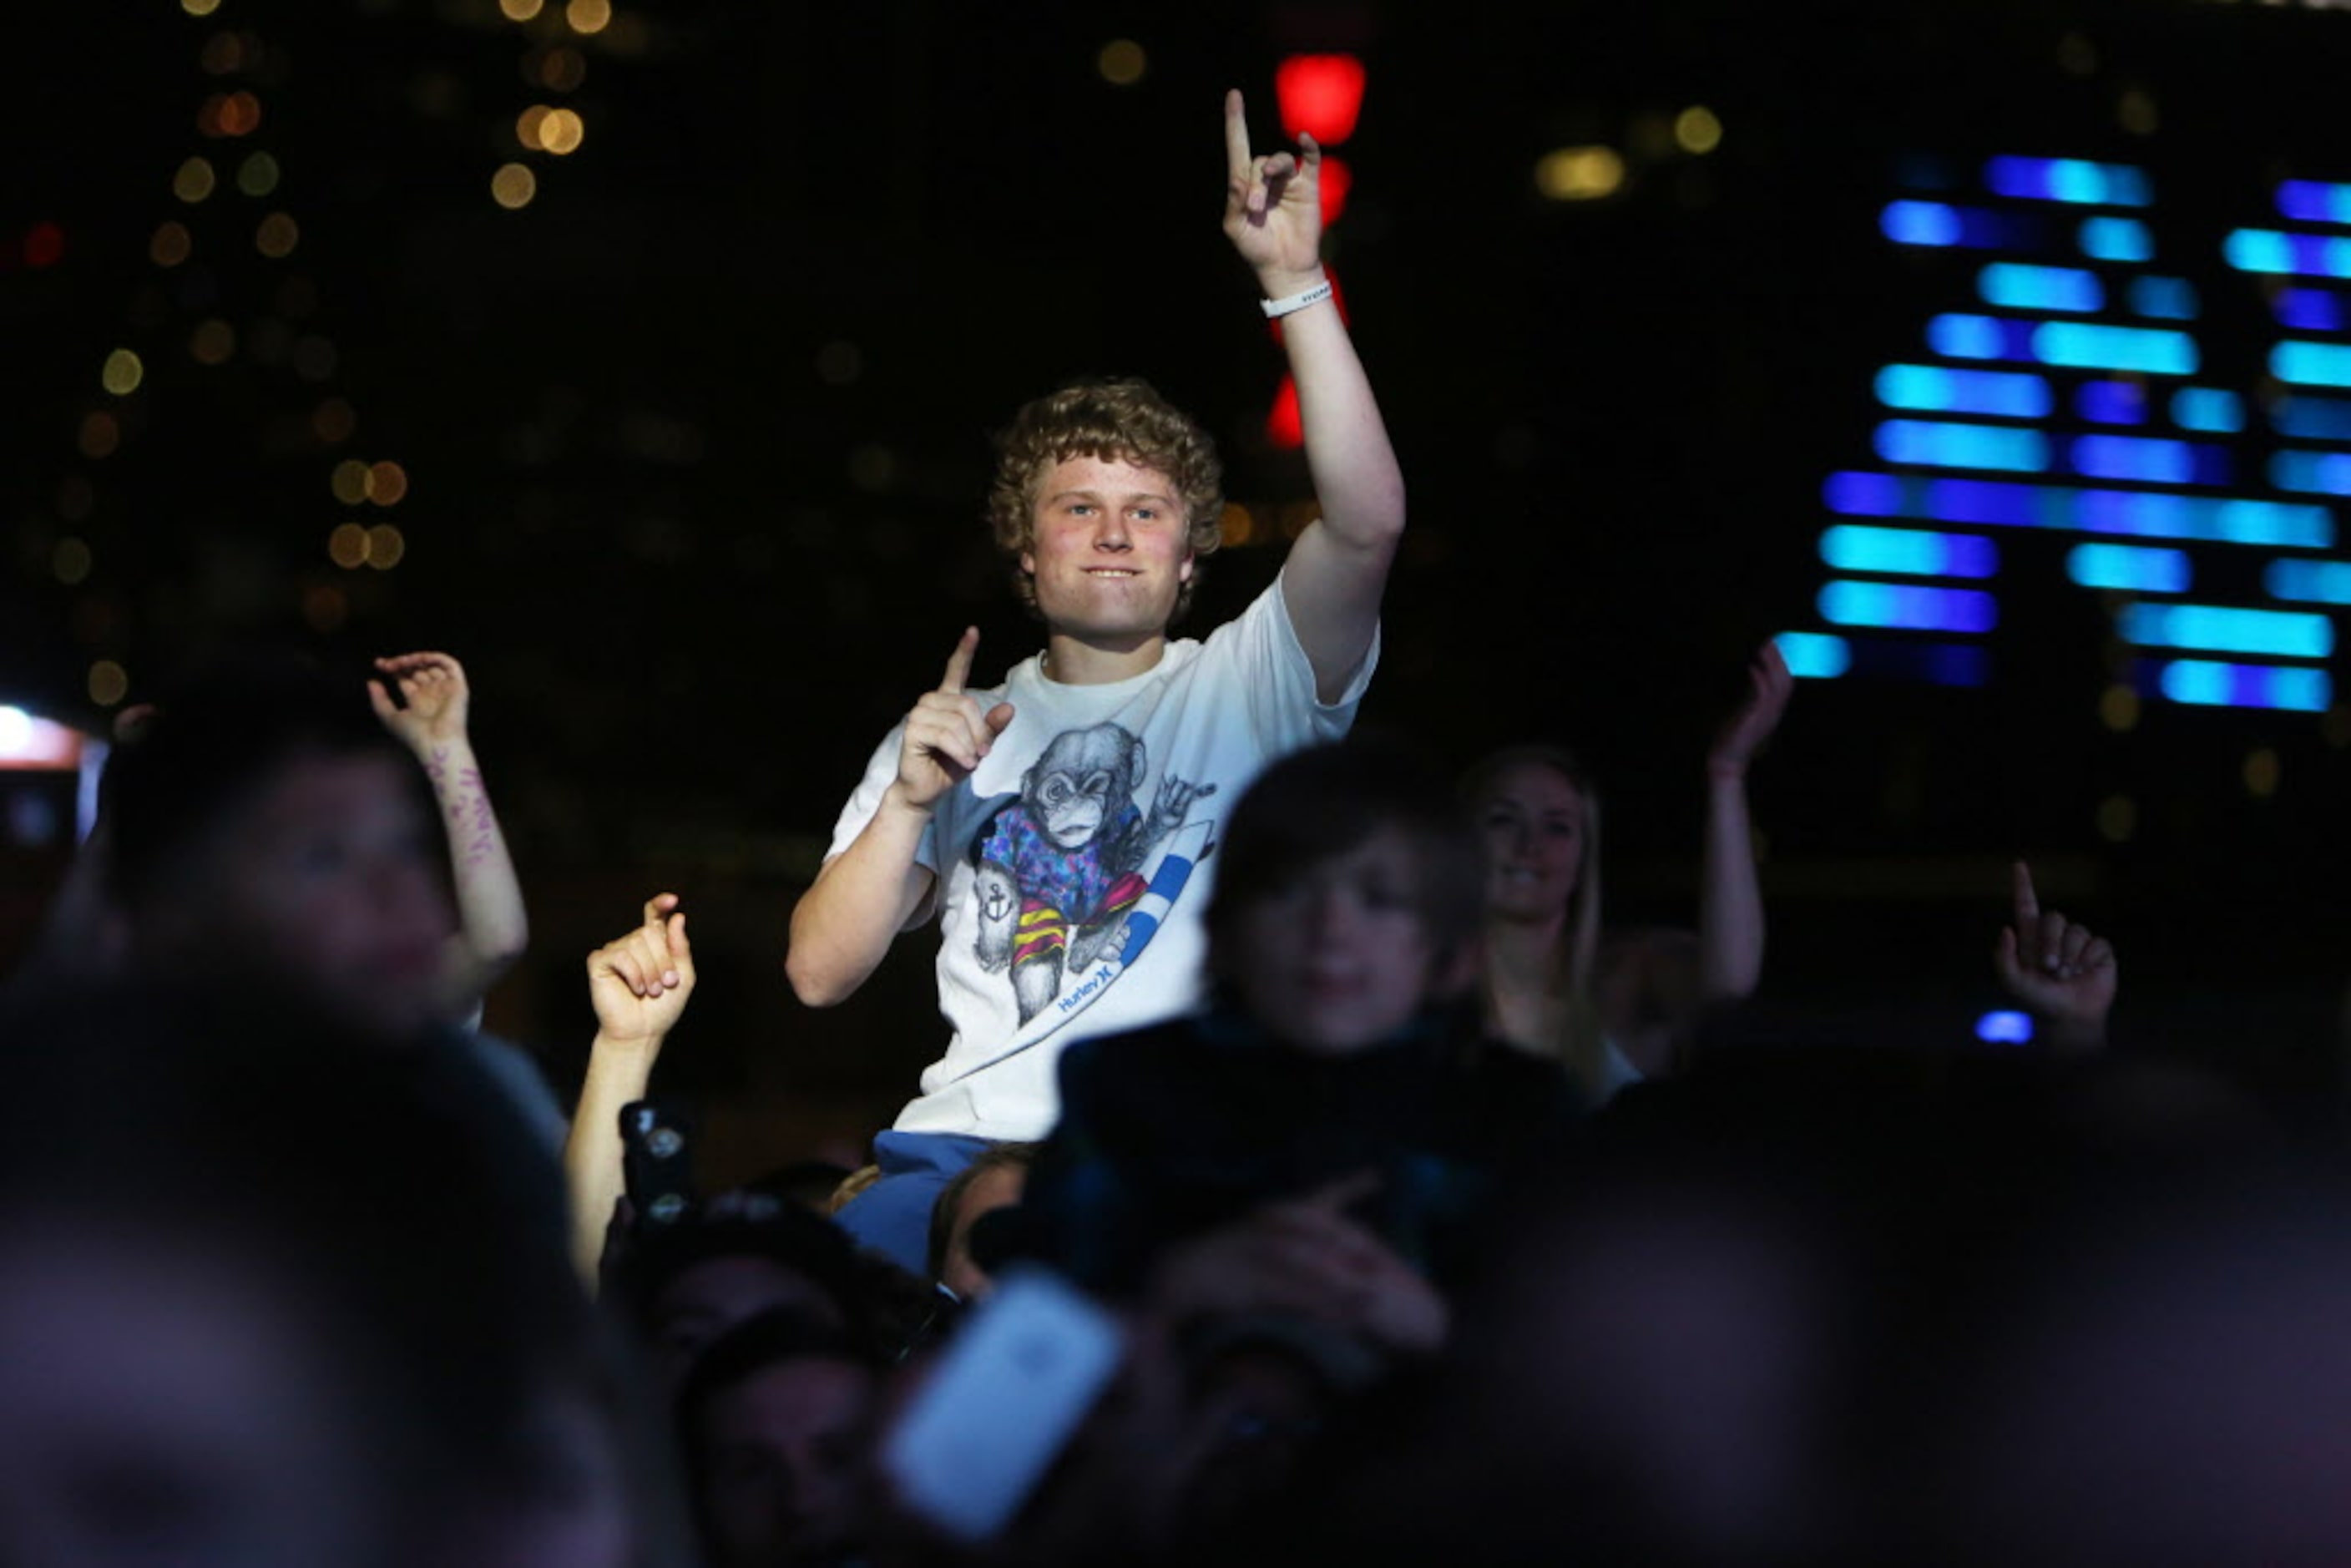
(1124, 421)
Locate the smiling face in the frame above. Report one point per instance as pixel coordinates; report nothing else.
(1534, 820)
(1108, 552)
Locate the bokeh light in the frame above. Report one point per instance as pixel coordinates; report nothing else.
(99, 435)
(513, 186)
(2118, 819)
(1122, 62)
(588, 16)
(1697, 129)
(200, 8)
(386, 546)
(333, 422)
(522, 10)
(1235, 526)
(347, 547)
(213, 343)
(109, 683)
(560, 70)
(528, 125)
(350, 481)
(71, 561)
(387, 484)
(123, 372)
(2262, 771)
(2119, 709)
(257, 175)
(224, 53)
(194, 180)
(562, 131)
(276, 236)
(169, 246)
(325, 607)
(1580, 174)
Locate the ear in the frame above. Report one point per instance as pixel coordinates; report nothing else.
(1028, 563)
(1184, 568)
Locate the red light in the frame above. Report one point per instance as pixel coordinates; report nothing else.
(1284, 427)
(1337, 179)
(45, 246)
(1320, 96)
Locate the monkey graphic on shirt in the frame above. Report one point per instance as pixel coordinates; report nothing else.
(1057, 866)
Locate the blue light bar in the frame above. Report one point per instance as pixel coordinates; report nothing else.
(2313, 418)
(2165, 298)
(2004, 394)
(2129, 513)
(2213, 409)
(1814, 655)
(1933, 443)
(2081, 346)
(2309, 309)
(2129, 568)
(2309, 582)
(2221, 628)
(1844, 603)
(2115, 239)
(1941, 224)
(2206, 683)
(2018, 286)
(2311, 473)
(2111, 402)
(2305, 363)
(1907, 552)
(1960, 337)
(2005, 1028)
(2149, 460)
(2311, 202)
(2300, 256)
(2069, 180)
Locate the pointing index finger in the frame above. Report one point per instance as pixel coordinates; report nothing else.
(1236, 137)
(959, 663)
(2027, 903)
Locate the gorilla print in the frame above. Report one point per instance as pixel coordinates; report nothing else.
(1064, 873)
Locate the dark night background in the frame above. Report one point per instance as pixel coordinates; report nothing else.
(697, 440)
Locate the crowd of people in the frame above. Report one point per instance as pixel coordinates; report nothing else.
(1307, 1172)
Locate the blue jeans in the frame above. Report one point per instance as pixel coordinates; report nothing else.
(892, 1217)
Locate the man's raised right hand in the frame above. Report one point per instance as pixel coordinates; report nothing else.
(947, 733)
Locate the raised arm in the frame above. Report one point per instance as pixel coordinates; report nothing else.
(864, 896)
(1338, 569)
(639, 983)
(1731, 903)
(2059, 968)
(430, 720)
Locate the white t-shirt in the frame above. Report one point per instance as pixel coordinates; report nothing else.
(1073, 864)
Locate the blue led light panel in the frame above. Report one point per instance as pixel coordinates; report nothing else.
(2070, 179)
(2223, 629)
(1907, 552)
(1930, 389)
(2129, 568)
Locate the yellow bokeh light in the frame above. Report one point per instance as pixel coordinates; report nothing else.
(562, 131)
(588, 16)
(99, 435)
(350, 481)
(347, 547)
(1580, 174)
(333, 422)
(530, 125)
(513, 186)
(1122, 62)
(169, 246)
(229, 114)
(276, 236)
(257, 175)
(2262, 769)
(522, 10)
(562, 70)
(2119, 708)
(387, 483)
(2118, 819)
(1697, 129)
(1235, 526)
(71, 561)
(194, 180)
(386, 546)
(123, 372)
(200, 8)
(324, 607)
(109, 683)
(213, 343)
(2135, 113)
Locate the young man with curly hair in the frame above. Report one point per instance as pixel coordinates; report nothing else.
(1061, 823)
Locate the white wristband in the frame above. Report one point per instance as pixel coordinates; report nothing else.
(1300, 301)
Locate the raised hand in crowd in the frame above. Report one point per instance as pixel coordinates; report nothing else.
(1731, 902)
(430, 719)
(2057, 967)
(863, 897)
(640, 983)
